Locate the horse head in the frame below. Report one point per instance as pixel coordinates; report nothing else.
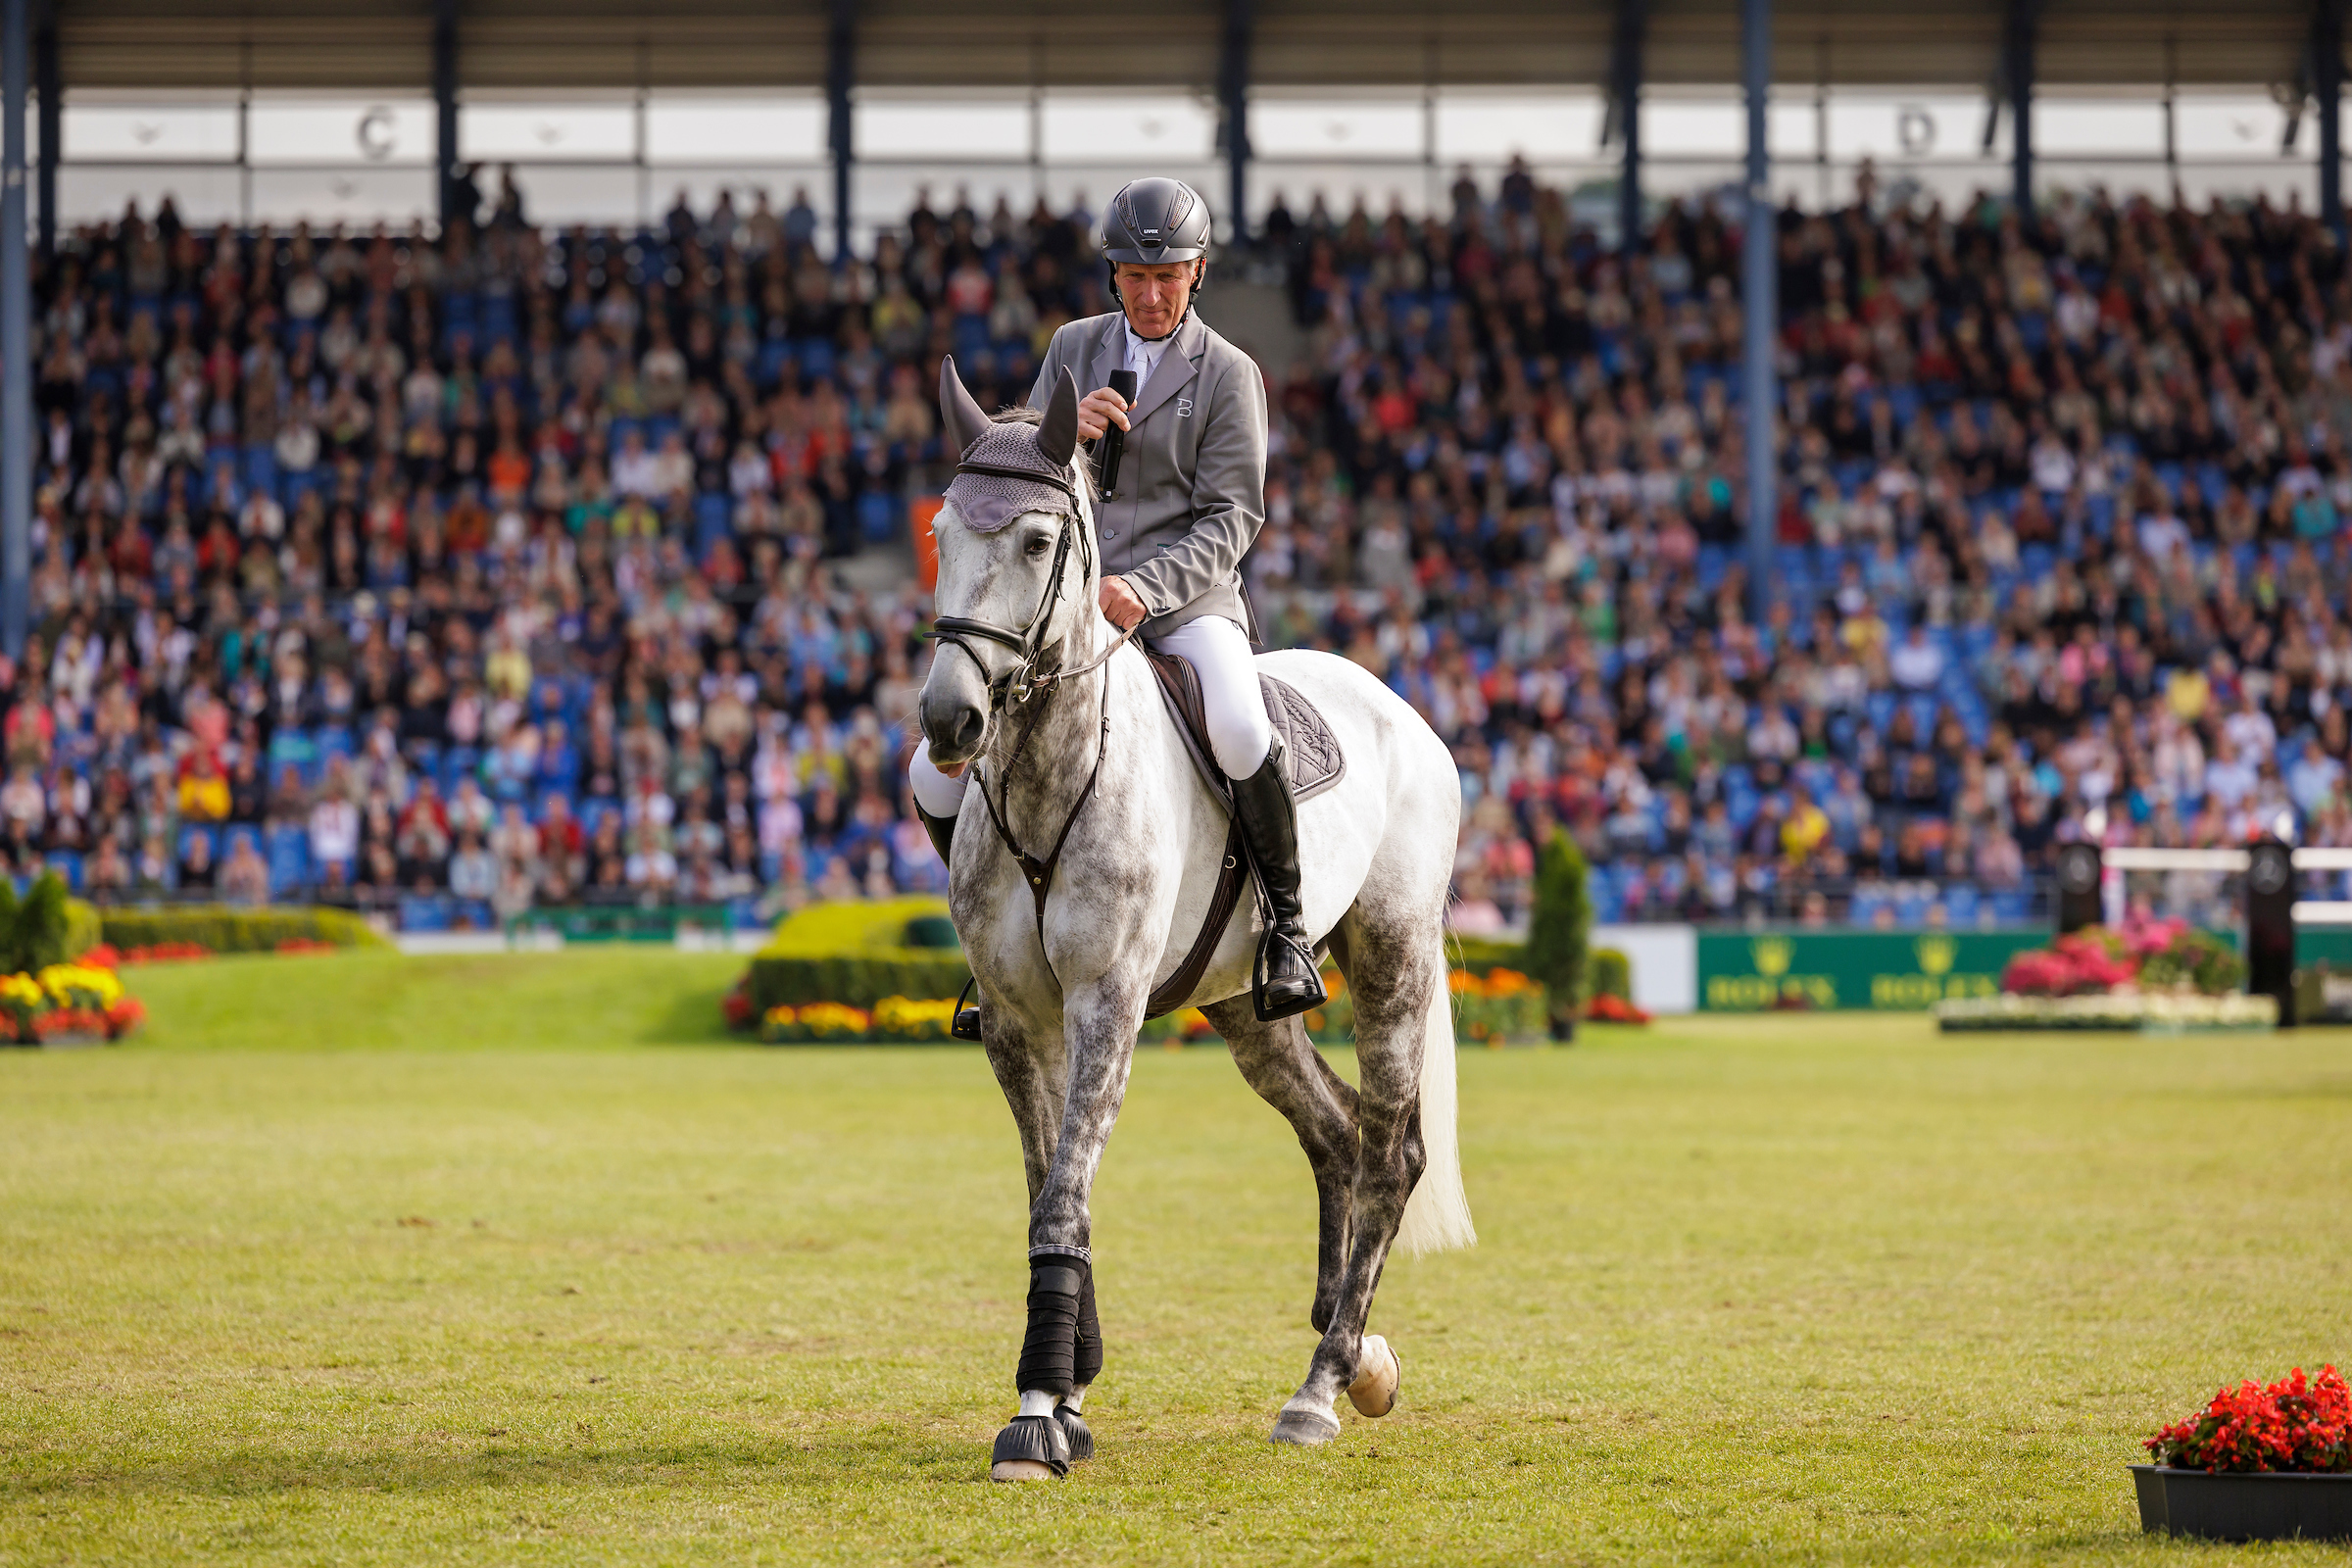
(1016, 562)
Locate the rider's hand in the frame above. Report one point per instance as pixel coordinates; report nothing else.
(1099, 410)
(1122, 606)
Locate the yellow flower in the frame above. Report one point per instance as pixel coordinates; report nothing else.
(66, 981)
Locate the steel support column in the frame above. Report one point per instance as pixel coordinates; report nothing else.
(1760, 296)
(1625, 87)
(2327, 86)
(445, 109)
(15, 338)
(2017, 73)
(1233, 106)
(49, 87)
(840, 74)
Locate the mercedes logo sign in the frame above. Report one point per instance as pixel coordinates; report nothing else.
(2078, 868)
(2269, 869)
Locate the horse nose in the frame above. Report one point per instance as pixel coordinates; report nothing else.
(952, 724)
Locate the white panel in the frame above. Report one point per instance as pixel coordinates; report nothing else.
(1082, 129)
(583, 193)
(1340, 183)
(2111, 127)
(1693, 128)
(1664, 961)
(1477, 128)
(203, 194)
(1792, 127)
(356, 196)
(985, 129)
(747, 130)
(151, 132)
(2227, 128)
(881, 195)
(513, 132)
(1310, 128)
(1909, 128)
(386, 134)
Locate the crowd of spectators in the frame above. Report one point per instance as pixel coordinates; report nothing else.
(450, 576)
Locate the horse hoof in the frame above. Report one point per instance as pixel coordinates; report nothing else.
(1022, 1470)
(1377, 1373)
(1306, 1429)
(1032, 1448)
(1073, 1427)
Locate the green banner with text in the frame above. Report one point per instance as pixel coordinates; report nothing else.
(1753, 971)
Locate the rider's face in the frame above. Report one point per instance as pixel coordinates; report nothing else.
(1154, 297)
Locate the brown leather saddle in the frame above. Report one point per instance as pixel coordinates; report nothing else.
(1311, 760)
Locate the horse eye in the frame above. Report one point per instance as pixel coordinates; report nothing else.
(1037, 546)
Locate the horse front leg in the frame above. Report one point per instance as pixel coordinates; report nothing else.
(1061, 1347)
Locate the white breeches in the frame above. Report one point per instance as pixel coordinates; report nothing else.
(1239, 732)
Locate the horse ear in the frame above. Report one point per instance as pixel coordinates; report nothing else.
(964, 421)
(1058, 436)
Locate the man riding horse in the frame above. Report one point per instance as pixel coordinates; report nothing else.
(1174, 531)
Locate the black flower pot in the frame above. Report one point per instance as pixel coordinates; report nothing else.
(2235, 1506)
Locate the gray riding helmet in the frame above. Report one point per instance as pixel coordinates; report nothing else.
(1155, 221)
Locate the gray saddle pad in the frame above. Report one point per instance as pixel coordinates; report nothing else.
(1311, 757)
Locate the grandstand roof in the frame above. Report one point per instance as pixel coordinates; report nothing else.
(510, 45)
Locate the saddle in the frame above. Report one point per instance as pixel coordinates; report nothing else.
(1311, 762)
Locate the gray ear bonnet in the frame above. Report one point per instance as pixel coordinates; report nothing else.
(1010, 468)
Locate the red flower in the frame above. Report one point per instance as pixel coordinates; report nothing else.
(2295, 1424)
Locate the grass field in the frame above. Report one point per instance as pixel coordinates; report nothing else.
(362, 1260)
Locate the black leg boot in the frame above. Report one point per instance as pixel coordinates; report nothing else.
(1288, 983)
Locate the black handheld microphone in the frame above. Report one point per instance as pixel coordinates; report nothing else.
(1114, 439)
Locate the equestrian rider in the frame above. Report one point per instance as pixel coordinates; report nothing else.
(1188, 503)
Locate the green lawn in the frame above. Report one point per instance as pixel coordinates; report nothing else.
(362, 1260)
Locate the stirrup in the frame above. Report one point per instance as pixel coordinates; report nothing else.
(1271, 1008)
(967, 1019)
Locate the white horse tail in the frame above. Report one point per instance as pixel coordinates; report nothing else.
(1437, 1217)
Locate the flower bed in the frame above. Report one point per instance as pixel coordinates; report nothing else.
(2138, 1011)
(2153, 976)
(1497, 1007)
(67, 1002)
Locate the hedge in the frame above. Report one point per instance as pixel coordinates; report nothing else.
(857, 953)
(223, 928)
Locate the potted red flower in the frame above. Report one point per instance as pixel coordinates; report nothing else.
(2257, 1464)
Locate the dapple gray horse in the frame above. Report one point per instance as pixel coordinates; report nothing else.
(1066, 733)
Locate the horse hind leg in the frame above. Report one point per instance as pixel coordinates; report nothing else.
(1280, 1062)
(1397, 983)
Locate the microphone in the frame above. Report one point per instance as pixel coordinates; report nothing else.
(1114, 439)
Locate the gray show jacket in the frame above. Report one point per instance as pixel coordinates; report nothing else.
(1192, 483)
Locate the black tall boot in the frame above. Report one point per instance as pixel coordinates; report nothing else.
(943, 839)
(1288, 983)
(943, 833)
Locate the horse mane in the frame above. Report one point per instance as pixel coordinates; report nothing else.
(1022, 413)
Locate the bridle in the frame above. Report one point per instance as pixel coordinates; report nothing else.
(1024, 680)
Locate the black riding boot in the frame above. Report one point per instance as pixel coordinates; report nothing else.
(943, 833)
(1288, 983)
(943, 839)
